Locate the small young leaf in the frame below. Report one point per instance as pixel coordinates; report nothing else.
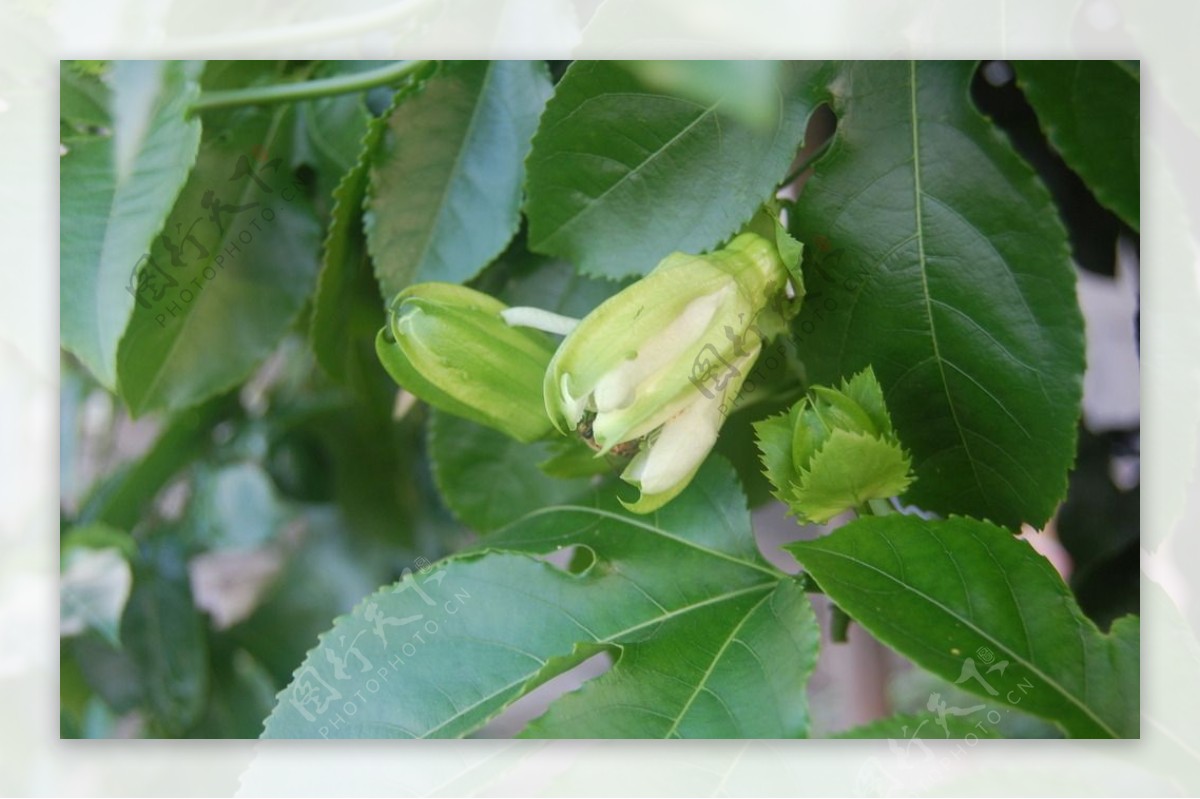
(774, 435)
(848, 470)
(972, 604)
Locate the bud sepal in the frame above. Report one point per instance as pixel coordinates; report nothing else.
(450, 346)
(834, 450)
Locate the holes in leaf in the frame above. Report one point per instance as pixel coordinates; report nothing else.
(529, 707)
(576, 560)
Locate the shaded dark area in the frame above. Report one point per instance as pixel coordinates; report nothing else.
(1100, 527)
(1092, 229)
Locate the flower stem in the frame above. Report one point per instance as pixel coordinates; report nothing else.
(539, 319)
(839, 624)
(307, 90)
(880, 507)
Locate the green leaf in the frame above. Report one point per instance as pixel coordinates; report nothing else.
(445, 192)
(348, 309)
(745, 89)
(849, 470)
(108, 671)
(222, 303)
(774, 435)
(83, 100)
(925, 727)
(490, 480)
(738, 671)
(97, 536)
(553, 285)
(164, 636)
(496, 621)
(1091, 112)
(621, 175)
(116, 192)
(233, 507)
(961, 597)
(331, 129)
(940, 260)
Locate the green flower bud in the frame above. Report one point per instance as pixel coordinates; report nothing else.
(834, 450)
(655, 367)
(449, 346)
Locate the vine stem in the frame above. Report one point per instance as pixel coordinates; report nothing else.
(307, 90)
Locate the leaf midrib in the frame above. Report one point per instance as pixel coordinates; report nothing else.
(918, 195)
(765, 569)
(571, 220)
(708, 672)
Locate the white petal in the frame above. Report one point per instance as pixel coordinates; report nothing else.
(682, 444)
(619, 388)
(572, 406)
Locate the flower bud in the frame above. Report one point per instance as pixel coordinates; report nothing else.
(834, 450)
(654, 367)
(449, 346)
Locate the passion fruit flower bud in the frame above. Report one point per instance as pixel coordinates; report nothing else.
(834, 450)
(655, 367)
(449, 346)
